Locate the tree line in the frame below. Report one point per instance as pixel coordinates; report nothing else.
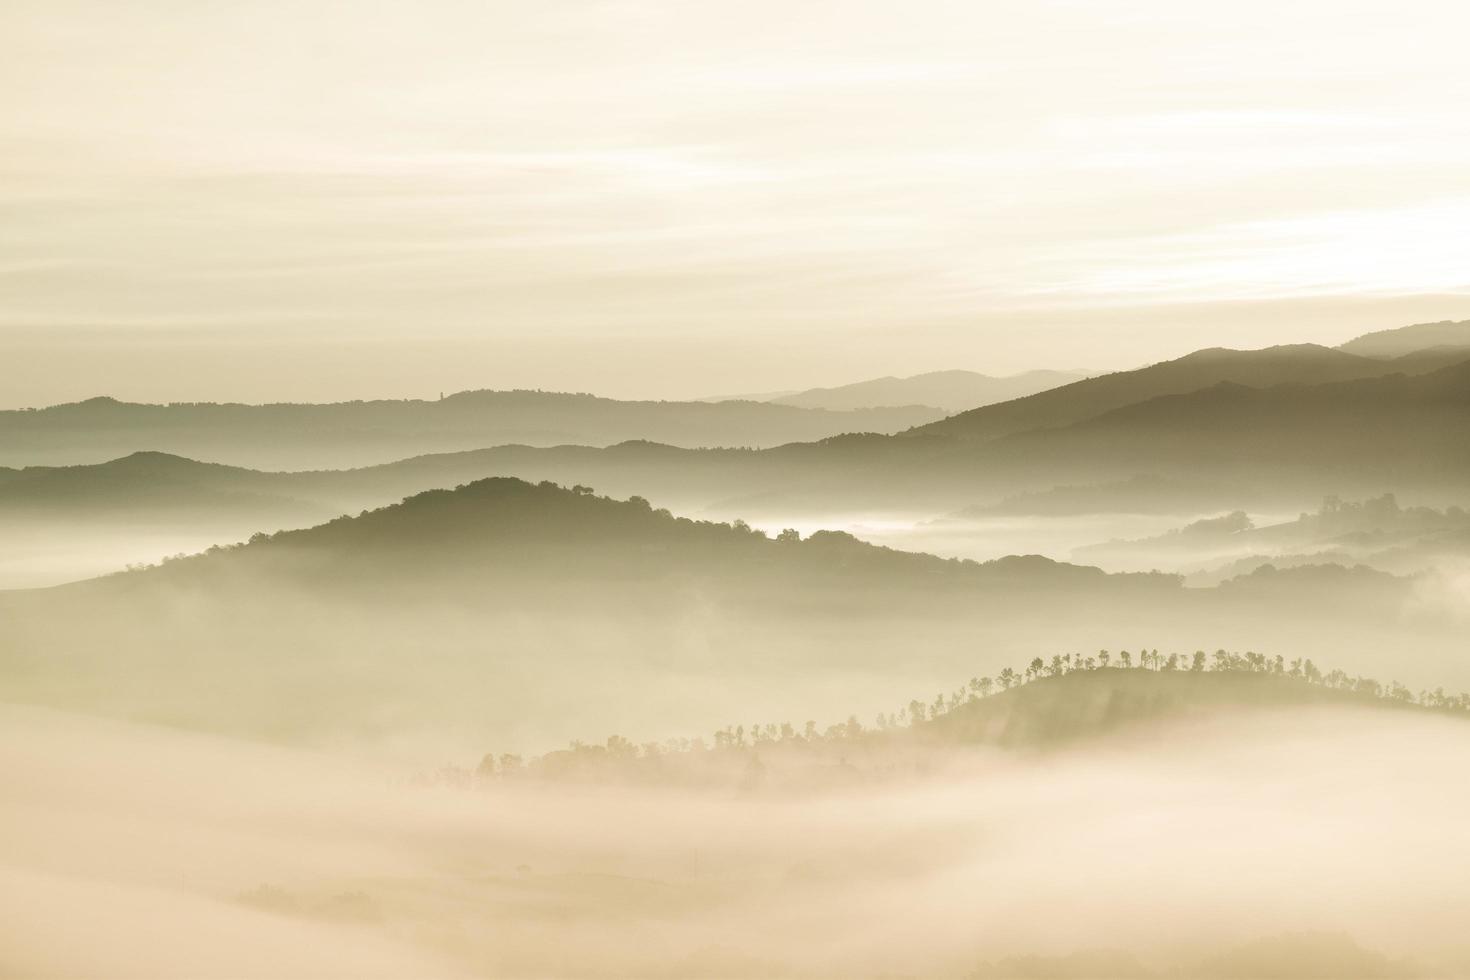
(740, 738)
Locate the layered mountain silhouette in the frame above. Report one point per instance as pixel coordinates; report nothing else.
(1301, 364)
(297, 436)
(1288, 444)
(951, 391)
(1408, 425)
(150, 486)
(1216, 429)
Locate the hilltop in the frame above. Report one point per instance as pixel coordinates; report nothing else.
(506, 527)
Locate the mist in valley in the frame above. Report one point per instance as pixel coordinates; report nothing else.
(602, 490)
(1306, 843)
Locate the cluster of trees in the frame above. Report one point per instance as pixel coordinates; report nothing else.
(746, 740)
(1338, 516)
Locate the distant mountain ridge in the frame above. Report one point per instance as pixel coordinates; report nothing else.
(952, 391)
(314, 436)
(1288, 442)
(1082, 400)
(1419, 337)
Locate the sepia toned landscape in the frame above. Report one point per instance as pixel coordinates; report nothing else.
(611, 489)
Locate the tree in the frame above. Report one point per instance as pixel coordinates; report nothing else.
(789, 536)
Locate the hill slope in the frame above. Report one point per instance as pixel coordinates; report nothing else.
(149, 486)
(1412, 426)
(1305, 364)
(952, 391)
(1085, 703)
(1454, 334)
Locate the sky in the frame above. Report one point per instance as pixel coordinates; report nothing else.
(314, 200)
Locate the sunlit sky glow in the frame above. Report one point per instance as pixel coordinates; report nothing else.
(318, 199)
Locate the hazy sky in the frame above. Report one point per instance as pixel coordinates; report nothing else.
(312, 199)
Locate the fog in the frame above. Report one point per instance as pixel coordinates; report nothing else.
(38, 554)
(198, 856)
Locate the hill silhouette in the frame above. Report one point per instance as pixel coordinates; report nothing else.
(951, 391)
(1225, 445)
(1286, 445)
(532, 534)
(1407, 426)
(1085, 703)
(1303, 364)
(152, 486)
(1444, 335)
(295, 436)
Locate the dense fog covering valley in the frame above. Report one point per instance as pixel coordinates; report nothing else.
(1278, 839)
(1158, 673)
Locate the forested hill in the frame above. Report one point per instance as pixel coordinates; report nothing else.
(521, 533)
(1050, 704)
(1056, 708)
